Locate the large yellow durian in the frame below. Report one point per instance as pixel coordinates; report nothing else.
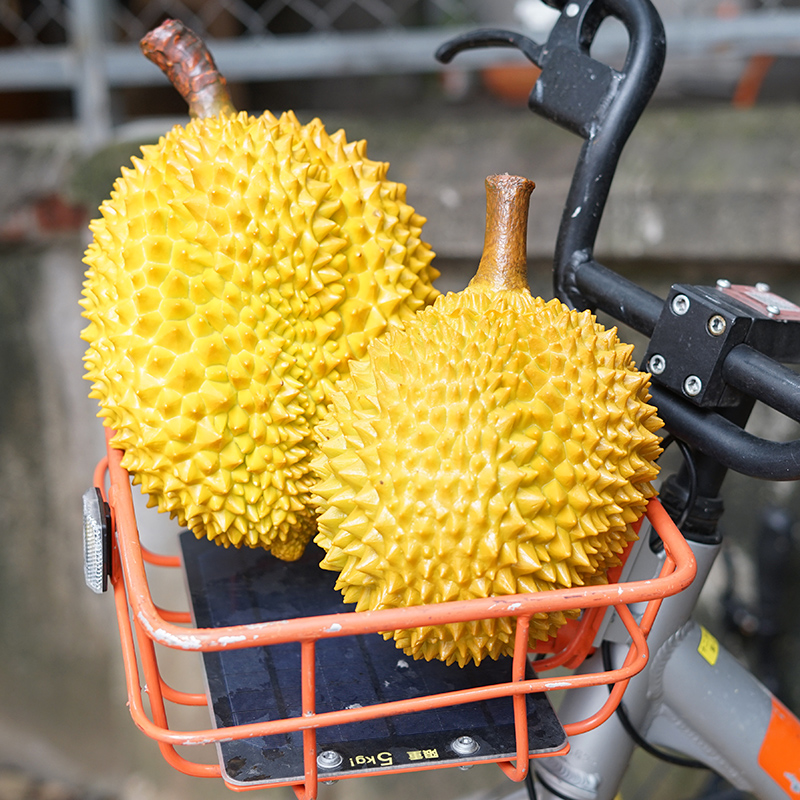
(236, 268)
(496, 444)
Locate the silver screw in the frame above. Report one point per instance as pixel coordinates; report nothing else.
(680, 304)
(723, 283)
(773, 311)
(329, 759)
(465, 746)
(717, 325)
(693, 386)
(762, 287)
(657, 364)
(572, 9)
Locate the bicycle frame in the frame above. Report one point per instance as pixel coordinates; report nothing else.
(693, 697)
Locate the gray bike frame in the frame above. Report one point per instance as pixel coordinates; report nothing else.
(693, 697)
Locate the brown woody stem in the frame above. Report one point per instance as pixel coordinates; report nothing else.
(185, 60)
(504, 264)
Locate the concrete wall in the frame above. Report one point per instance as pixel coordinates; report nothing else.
(706, 193)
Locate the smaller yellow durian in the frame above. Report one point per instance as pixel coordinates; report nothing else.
(495, 444)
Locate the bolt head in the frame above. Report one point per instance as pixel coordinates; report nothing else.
(329, 759)
(723, 283)
(680, 304)
(693, 386)
(465, 746)
(773, 311)
(657, 364)
(717, 325)
(762, 287)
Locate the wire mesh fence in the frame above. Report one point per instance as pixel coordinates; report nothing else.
(88, 48)
(228, 18)
(29, 23)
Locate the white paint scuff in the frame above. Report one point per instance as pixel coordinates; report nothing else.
(226, 640)
(169, 639)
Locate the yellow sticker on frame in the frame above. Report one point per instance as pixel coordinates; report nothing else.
(708, 647)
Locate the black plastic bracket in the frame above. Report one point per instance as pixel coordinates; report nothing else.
(574, 90)
(700, 325)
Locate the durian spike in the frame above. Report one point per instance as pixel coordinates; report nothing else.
(504, 264)
(184, 58)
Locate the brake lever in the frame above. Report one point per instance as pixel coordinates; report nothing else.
(574, 90)
(491, 37)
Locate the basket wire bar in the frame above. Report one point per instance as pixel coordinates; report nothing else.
(181, 698)
(520, 770)
(572, 653)
(308, 661)
(158, 560)
(135, 690)
(143, 625)
(174, 616)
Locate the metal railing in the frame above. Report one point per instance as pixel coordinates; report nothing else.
(89, 47)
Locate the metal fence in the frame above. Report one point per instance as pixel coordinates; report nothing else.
(227, 18)
(46, 21)
(89, 47)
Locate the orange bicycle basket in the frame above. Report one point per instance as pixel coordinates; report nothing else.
(143, 625)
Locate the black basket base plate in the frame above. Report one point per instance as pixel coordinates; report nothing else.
(240, 587)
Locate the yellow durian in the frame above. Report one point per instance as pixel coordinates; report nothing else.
(236, 268)
(495, 444)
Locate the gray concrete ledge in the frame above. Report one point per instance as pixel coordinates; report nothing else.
(714, 183)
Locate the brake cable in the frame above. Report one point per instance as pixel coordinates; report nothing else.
(691, 468)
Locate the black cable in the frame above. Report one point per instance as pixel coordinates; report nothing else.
(549, 789)
(530, 784)
(691, 468)
(637, 738)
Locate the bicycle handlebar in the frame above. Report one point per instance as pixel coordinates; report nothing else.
(602, 105)
(744, 368)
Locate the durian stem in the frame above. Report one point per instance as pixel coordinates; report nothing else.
(186, 61)
(504, 263)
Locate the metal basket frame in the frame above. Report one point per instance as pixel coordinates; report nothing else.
(142, 625)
